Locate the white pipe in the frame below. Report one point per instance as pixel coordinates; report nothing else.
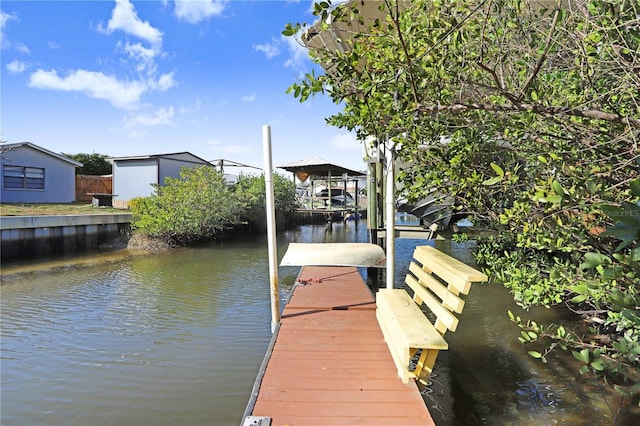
(271, 228)
(391, 218)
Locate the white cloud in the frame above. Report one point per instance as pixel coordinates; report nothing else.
(165, 82)
(4, 19)
(120, 92)
(4, 41)
(94, 84)
(270, 50)
(345, 141)
(142, 55)
(53, 45)
(249, 98)
(125, 18)
(22, 48)
(195, 11)
(298, 54)
(158, 117)
(17, 67)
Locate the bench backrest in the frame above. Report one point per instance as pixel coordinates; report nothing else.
(438, 280)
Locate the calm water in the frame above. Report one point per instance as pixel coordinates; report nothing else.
(178, 337)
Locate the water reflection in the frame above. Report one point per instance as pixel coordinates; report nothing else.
(178, 337)
(487, 378)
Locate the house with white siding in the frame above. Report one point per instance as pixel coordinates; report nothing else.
(33, 174)
(133, 176)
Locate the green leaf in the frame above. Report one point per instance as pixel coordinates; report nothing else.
(535, 354)
(631, 213)
(557, 188)
(492, 181)
(555, 199)
(595, 259)
(497, 169)
(597, 365)
(625, 232)
(579, 288)
(635, 187)
(579, 299)
(612, 211)
(583, 355)
(289, 30)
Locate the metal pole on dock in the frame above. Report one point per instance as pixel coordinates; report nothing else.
(391, 216)
(371, 154)
(271, 228)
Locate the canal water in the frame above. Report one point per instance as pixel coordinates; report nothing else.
(177, 338)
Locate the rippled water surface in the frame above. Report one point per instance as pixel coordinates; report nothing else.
(177, 338)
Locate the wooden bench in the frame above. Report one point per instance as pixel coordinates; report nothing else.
(437, 280)
(101, 200)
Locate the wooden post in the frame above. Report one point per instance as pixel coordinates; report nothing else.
(372, 206)
(379, 179)
(329, 191)
(271, 228)
(356, 195)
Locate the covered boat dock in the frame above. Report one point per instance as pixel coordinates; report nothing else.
(327, 188)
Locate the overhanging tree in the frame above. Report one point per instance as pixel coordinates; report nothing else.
(540, 104)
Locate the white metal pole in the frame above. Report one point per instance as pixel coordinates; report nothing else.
(391, 218)
(271, 228)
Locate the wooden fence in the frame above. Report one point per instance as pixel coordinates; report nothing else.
(120, 204)
(97, 184)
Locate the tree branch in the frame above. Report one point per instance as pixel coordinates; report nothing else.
(542, 57)
(538, 109)
(396, 22)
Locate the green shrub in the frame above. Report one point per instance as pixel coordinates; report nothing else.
(252, 190)
(197, 206)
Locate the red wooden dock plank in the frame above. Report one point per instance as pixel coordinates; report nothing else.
(289, 410)
(360, 383)
(328, 288)
(329, 395)
(329, 364)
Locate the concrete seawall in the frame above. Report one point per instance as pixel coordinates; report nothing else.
(25, 237)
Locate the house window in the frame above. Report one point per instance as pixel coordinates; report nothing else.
(18, 177)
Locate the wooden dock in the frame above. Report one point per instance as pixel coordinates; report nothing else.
(328, 363)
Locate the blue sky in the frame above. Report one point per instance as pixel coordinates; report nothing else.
(149, 77)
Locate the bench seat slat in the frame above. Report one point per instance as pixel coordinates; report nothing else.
(442, 314)
(452, 301)
(450, 270)
(418, 332)
(400, 353)
(462, 269)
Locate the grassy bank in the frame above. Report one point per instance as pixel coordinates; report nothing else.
(54, 209)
